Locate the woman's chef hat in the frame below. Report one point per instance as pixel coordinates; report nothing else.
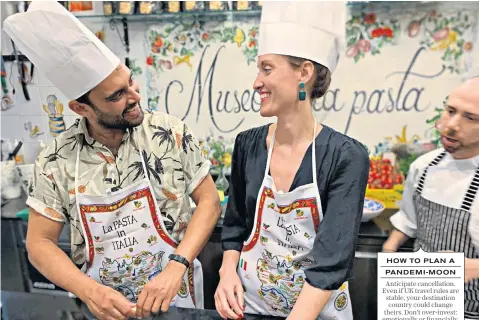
(61, 47)
(313, 30)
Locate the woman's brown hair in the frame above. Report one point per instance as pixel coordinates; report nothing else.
(322, 75)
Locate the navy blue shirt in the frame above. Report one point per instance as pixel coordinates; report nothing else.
(342, 166)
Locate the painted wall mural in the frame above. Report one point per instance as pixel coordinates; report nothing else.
(450, 33)
(365, 34)
(388, 90)
(33, 130)
(179, 43)
(135, 69)
(54, 109)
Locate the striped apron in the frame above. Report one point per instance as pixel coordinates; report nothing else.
(442, 228)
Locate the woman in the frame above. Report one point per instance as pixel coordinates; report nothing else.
(297, 187)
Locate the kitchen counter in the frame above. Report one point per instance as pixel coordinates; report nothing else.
(376, 231)
(192, 314)
(27, 306)
(174, 313)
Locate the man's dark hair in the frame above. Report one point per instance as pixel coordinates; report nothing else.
(85, 98)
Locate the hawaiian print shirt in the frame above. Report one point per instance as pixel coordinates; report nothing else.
(175, 164)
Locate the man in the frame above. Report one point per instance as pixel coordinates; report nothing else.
(110, 176)
(441, 191)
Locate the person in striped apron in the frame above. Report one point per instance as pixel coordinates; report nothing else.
(474, 223)
(441, 191)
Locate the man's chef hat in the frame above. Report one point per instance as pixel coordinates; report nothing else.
(61, 47)
(313, 30)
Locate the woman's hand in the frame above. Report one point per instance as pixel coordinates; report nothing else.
(310, 303)
(229, 299)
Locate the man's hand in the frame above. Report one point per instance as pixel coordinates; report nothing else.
(395, 241)
(471, 269)
(159, 292)
(108, 304)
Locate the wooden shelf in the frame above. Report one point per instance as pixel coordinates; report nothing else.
(190, 15)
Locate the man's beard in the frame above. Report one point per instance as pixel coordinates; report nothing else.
(118, 122)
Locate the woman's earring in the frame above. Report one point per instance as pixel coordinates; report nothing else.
(302, 93)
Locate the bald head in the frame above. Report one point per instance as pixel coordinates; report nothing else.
(467, 94)
(460, 120)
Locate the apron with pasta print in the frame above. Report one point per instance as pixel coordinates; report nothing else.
(440, 228)
(127, 242)
(279, 249)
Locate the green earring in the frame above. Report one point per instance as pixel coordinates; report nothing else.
(302, 93)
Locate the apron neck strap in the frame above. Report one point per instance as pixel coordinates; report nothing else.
(270, 152)
(140, 150)
(313, 166)
(423, 176)
(471, 192)
(77, 164)
(313, 150)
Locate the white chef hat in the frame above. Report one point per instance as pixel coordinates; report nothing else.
(313, 30)
(61, 47)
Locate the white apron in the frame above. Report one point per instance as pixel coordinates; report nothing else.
(280, 248)
(127, 243)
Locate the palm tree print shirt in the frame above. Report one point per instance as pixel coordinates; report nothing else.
(175, 165)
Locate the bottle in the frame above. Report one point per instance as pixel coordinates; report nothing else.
(193, 6)
(173, 6)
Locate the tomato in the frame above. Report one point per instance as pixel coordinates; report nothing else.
(150, 60)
